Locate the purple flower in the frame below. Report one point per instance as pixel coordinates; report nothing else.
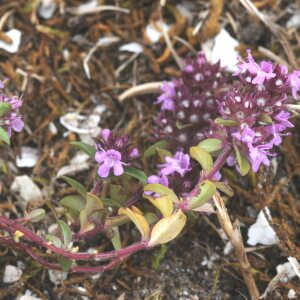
(259, 155)
(283, 118)
(190, 102)
(107, 160)
(179, 163)
(246, 135)
(167, 98)
(134, 153)
(113, 150)
(158, 179)
(105, 133)
(11, 120)
(261, 72)
(14, 122)
(275, 130)
(294, 80)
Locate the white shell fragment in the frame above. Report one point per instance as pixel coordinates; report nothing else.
(11, 274)
(15, 35)
(295, 264)
(28, 157)
(77, 164)
(294, 21)
(261, 232)
(154, 31)
(57, 276)
(132, 47)
(88, 5)
(24, 188)
(287, 271)
(28, 296)
(81, 124)
(292, 294)
(46, 9)
(185, 8)
(222, 47)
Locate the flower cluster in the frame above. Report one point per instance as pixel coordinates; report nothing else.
(190, 102)
(113, 151)
(11, 119)
(178, 173)
(254, 109)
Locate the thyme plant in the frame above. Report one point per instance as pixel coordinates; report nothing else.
(206, 119)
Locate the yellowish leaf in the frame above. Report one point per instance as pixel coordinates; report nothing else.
(136, 216)
(164, 204)
(161, 190)
(167, 229)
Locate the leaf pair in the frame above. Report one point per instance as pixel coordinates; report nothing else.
(164, 231)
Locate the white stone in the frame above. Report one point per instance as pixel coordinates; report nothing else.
(15, 36)
(261, 232)
(11, 274)
(153, 32)
(26, 189)
(57, 276)
(222, 47)
(28, 157)
(47, 9)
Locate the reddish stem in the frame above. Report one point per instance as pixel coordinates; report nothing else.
(216, 167)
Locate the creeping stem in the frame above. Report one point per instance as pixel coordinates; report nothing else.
(216, 167)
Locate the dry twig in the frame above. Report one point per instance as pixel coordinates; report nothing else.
(233, 234)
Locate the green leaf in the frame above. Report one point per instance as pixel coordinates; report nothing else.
(88, 149)
(151, 151)
(65, 263)
(161, 190)
(202, 157)
(76, 185)
(224, 188)
(135, 173)
(111, 202)
(91, 214)
(116, 239)
(212, 146)
(265, 118)
(4, 108)
(242, 161)
(228, 123)
(56, 241)
(206, 190)
(73, 202)
(37, 215)
(162, 153)
(151, 217)
(4, 136)
(159, 256)
(66, 232)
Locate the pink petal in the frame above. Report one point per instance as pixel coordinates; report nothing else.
(104, 169)
(118, 168)
(100, 156)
